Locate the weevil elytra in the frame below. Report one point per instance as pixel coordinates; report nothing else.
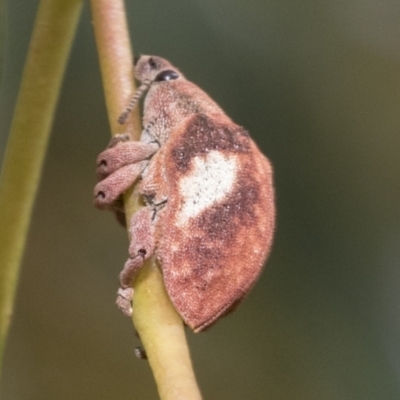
(209, 215)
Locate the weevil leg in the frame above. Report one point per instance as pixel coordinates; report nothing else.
(140, 249)
(121, 154)
(124, 300)
(141, 246)
(107, 192)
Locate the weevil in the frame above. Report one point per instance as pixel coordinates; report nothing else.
(210, 214)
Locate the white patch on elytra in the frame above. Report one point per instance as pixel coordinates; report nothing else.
(211, 178)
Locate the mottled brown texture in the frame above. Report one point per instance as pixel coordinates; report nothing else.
(211, 255)
(212, 262)
(200, 135)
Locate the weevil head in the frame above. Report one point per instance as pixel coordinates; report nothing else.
(149, 69)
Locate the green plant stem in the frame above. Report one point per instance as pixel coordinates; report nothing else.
(49, 48)
(159, 326)
(163, 336)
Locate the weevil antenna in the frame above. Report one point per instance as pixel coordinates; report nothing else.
(135, 98)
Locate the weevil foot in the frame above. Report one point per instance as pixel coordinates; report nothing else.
(108, 191)
(124, 300)
(118, 156)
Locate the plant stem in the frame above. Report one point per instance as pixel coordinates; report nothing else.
(162, 333)
(159, 326)
(49, 48)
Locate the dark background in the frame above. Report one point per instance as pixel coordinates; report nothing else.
(317, 84)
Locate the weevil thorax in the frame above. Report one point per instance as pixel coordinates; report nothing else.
(171, 98)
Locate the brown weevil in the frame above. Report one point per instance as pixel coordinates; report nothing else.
(209, 215)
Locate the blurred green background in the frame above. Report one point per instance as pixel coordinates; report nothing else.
(317, 83)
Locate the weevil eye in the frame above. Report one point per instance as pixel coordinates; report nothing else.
(152, 63)
(167, 75)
